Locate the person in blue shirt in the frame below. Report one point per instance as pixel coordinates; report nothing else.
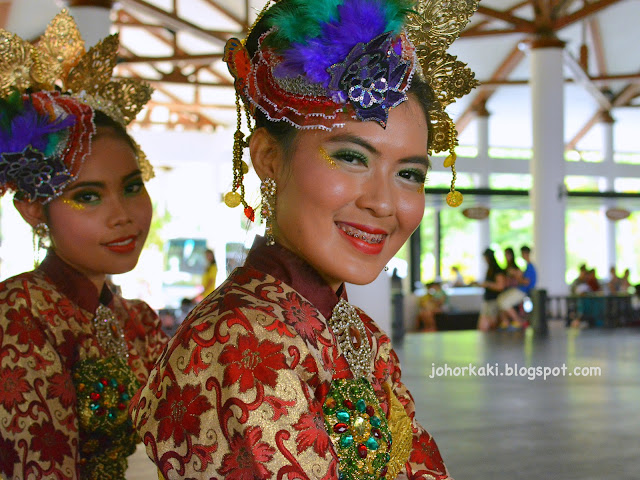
(529, 278)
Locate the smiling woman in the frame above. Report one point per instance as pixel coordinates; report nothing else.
(275, 374)
(72, 352)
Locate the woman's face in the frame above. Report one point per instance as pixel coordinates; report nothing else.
(101, 221)
(349, 199)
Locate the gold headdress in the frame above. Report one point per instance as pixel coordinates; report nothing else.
(432, 28)
(63, 84)
(324, 62)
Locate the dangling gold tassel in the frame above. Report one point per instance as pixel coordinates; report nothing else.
(454, 198)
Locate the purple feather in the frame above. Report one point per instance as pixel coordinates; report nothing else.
(359, 21)
(31, 128)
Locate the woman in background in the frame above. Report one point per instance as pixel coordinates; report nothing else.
(494, 283)
(72, 351)
(275, 374)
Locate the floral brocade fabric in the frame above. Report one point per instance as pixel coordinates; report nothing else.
(252, 386)
(55, 376)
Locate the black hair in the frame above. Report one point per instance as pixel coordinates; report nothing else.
(285, 133)
(101, 119)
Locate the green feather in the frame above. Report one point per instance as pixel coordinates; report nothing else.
(301, 20)
(396, 12)
(10, 106)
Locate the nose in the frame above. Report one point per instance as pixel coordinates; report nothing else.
(119, 214)
(377, 195)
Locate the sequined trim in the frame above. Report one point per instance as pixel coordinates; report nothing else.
(352, 338)
(109, 333)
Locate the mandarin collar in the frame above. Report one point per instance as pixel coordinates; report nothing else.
(287, 267)
(74, 284)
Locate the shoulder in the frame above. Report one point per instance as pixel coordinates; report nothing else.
(18, 291)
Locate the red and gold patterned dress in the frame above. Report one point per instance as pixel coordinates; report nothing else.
(256, 384)
(64, 394)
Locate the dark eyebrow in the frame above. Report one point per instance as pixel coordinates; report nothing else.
(345, 137)
(126, 178)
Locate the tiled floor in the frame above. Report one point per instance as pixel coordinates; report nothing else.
(507, 427)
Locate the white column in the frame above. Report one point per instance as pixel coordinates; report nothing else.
(548, 199)
(607, 143)
(93, 18)
(484, 230)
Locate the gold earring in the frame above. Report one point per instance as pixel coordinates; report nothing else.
(268, 211)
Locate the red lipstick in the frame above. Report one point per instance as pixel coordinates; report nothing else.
(358, 241)
(123, 245)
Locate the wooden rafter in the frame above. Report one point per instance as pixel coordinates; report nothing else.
(501, 73)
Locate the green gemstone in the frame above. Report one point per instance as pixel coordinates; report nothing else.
(99, 387)
(343, 416)
(372, 444)
(375, 421)
(346, 440)
(361, 405)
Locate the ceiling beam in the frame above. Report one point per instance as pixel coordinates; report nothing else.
(583, 79)
(181, 59)
(505, 16)
(216, 5)
(587, 10)
(622, 99)
(507, 66)
(174, 22)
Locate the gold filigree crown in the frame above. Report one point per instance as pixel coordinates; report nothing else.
(59, 61)
(432, 28)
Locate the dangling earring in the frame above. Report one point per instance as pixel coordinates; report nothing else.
(268, 211)
(40, 241)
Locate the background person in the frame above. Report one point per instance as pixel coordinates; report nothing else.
(276, 375)
(493, 284)
(72, 351)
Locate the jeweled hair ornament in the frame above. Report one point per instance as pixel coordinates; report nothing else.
(323, 62)
(49, 92)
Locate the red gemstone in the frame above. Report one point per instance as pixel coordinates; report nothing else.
(121, 388)
(362, 451)
(383, 472)
(376, 433)
(121, 406)
(249, 213)
(340, 427)
(101, 411)
(94, 396)
(104, 382)
(370, 411)
(349, 404)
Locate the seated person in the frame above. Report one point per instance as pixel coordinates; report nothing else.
(434, 301)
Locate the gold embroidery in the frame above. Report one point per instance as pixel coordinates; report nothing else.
(401, 432)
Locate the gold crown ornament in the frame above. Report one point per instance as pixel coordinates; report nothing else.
(58, 83)
(323, 62)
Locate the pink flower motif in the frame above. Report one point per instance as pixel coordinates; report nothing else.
(247, 457)
(52, 444)
(179, 415)
(252, 361)
(303, 317)
(61, 387)
(13, 386)
(25, 327)
(312, 433)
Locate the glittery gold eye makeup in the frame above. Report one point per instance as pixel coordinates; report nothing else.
(328, 158)
(73, 204)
